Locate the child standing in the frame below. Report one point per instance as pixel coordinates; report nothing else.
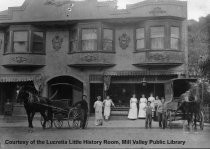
(148, 120)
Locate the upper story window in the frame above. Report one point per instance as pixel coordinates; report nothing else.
(175, 38)
(157, 37)
(37, 42)
(73, 40)
(20, 41)
(107, 40)
(89, 39)
(140, 38)
(24, 39)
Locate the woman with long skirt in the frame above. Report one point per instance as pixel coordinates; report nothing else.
(142, 105)
(107, 107)
(98, 105)
(132, 114)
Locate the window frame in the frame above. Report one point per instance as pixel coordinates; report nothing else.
(113, 39)
(77, 37)
(135, 37)
(179, 39)
(28, 46)
(164, 37)
(23, 28)
(32, 42)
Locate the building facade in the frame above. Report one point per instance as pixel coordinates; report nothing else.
(93, 48)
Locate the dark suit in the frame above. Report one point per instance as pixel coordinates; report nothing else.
(84, 111)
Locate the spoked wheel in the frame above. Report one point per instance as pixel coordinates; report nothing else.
(58, 123)
(76, 124)
(48, 122)
(201, 120)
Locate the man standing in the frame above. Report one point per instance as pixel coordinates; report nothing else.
(84, 110)
(161, 109)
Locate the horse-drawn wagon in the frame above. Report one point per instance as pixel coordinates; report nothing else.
(184, 101)
(62, 112)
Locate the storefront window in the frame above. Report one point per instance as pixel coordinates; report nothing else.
(89, 39)
(175, 38)
(108, 40)
(157, 38)
(20, 41)
(38, 42)
(140, 38)
(73, 40)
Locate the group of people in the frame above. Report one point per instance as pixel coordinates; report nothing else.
(147, 109)
(102, 107)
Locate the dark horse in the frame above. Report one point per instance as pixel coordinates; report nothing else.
(34, 103)
(191, 104)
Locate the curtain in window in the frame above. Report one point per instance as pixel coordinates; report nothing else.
(20, 41)
(140, 43)
(175, 38)
(108, 40)
(6, 42)
(157, 38)
(89, 39)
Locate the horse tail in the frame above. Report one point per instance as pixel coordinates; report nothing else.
(56, 92)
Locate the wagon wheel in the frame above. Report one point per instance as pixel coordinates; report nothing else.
(69, 119)
(201, 120)
(48, 122)
(58, 123)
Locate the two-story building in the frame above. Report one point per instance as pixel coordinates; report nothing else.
(93, 48)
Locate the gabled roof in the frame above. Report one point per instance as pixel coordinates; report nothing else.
(66, 10)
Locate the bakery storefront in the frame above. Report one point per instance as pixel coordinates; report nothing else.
(120, 86)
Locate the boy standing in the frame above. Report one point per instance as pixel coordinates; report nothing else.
(148, 120)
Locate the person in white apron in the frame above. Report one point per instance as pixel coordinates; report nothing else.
(107, 107)
(98, 105)
(132, 114)
(142, 105)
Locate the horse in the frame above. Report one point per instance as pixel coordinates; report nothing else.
(191, 104)
(34, 103)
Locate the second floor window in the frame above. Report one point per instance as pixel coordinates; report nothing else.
(20, 41)
(108, 40)
(38, 42)
(89, 39)
(73, 40)
(157, 38)
(175, 38)
(140, 38)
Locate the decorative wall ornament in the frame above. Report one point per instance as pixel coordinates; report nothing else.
(57, 3)
(158, 57)
(157, 11)
(19, 59)
(124, 41)
(89, 58)
(57, 42)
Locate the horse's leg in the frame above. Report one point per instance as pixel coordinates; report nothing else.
(31, 119)
(44, 117)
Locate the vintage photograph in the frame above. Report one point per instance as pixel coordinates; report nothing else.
(104, 74)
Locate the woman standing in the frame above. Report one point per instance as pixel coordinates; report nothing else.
(142, 105)
(98, 105)
(107, 107)
(132, 114)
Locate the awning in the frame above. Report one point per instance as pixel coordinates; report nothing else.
(17, 77)
(141, 73)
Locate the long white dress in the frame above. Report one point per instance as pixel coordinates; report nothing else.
(98, 105)
(142, 105)
(107, 108)
(133, 109)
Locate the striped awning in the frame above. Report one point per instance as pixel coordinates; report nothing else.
(141, 73)
(17, 77)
